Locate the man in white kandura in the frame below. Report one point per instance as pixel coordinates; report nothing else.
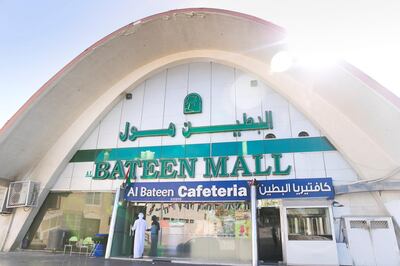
(139, 227)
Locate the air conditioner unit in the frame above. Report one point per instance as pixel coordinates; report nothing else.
(22, 194)
(3, 201)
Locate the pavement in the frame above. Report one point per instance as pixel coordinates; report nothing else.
(36, 258)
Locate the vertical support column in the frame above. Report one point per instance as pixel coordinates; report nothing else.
(253, 203)
(112, 224)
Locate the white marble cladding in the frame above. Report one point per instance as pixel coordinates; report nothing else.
(226, 93)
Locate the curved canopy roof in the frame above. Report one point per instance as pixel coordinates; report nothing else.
(359, 116)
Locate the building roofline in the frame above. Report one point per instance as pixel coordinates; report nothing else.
(9, 123)
(372, 83)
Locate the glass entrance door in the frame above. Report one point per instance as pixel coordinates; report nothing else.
(123, 238)
(269, 234)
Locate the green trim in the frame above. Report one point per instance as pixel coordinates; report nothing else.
(238, 148)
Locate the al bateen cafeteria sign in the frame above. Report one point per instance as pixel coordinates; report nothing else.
(237, 190)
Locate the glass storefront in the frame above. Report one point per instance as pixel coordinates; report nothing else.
(70, 218)
(217, 232)
(309, 224)
(199, 232)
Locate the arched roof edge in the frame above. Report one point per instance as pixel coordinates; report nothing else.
(9, 123)
(366, 79)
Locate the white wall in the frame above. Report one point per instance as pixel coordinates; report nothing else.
(227, 94)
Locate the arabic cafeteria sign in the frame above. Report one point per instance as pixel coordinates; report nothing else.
(213, 191)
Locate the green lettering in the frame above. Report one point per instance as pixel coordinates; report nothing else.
(277, 162)
(257, 159)
(101, 171)
(123, 136)
(185, 166)
(149, 171)
(132, 166)
(240, 165)
(118, 171)
(166, 168)
(215, 170)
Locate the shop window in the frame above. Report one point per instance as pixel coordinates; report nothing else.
(309, 224)
(93, 198)
(194, 231)
(67, 215)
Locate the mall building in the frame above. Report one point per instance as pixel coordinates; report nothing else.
(179, 115)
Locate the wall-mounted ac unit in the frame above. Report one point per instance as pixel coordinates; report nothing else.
(3, 201)
(22, 194)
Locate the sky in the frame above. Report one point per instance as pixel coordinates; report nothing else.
(39, 37)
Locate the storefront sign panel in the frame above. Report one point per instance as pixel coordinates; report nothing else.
(187, 191)
(296, 188)
(238, 190)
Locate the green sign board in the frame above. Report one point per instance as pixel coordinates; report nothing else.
(168, 168)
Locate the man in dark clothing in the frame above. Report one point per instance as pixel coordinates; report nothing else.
(154, 229)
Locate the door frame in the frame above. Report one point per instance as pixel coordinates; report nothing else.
(278, 208)
(283, 222)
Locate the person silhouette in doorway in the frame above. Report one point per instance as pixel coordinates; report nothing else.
(139, 227)
(154, 230)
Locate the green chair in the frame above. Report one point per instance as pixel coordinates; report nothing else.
(87, 244)
(71, 242)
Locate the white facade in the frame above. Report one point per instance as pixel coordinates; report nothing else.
(226, 94)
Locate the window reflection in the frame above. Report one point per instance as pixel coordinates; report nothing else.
(309, 224)
(70, 216)
(201, 232)
(217, 231)
(93, 198)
